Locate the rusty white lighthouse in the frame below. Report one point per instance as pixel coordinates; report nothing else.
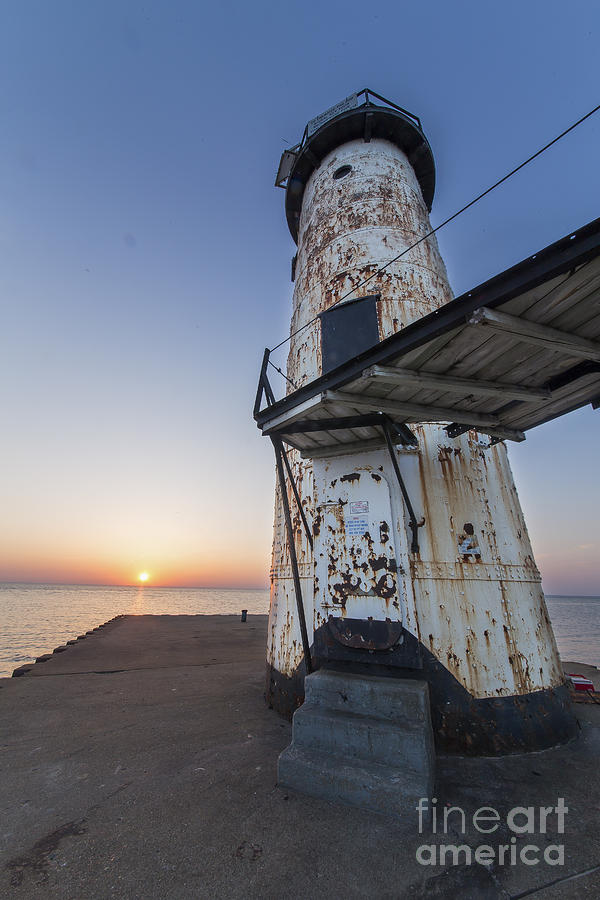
(400, 549)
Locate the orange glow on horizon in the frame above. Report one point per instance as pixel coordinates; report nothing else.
(90, 568)
(59, 558)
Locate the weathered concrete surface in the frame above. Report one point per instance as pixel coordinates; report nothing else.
(364, 740)
(156, 779)
(156, 642)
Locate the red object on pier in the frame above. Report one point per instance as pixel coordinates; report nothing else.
(580, 683)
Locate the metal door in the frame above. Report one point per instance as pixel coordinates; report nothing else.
(357, 600)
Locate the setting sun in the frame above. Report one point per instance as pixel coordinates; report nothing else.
(143, 576)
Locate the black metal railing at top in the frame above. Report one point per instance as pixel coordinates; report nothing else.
(368, 93)
(264, 386)
(290, 153)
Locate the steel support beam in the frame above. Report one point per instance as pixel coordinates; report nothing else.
(533, 333)
(413, 524)
(340, 449)
(297, 497)
(308, 426)
(453, 385)
(500, 434)
(279, 453)
(264, 385)
(414, 411)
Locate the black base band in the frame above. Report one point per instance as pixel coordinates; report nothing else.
(487, 726)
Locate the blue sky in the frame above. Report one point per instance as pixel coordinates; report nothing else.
(145, 256)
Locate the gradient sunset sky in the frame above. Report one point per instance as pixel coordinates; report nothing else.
(145, 259)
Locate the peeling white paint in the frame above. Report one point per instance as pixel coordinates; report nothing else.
(473, 594)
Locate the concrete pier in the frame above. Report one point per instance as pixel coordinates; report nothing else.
(140, 762)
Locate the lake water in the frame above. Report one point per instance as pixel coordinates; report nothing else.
(576, 623)
(36, 618)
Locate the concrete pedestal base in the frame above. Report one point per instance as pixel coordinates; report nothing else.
(361, 740)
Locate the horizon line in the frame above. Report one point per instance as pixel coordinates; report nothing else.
(209, 587)
(135, 584)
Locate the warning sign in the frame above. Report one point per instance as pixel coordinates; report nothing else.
(357, 520)
(357, 525)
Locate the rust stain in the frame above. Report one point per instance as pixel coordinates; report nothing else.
(489, 646)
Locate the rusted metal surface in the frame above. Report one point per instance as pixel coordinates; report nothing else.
(351, 226)
(480, 606)
(356, 565)
(291, 543)
(284, 643)
(365, 634)
(471, 596)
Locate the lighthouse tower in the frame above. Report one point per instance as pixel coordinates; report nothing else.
(409, 556)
